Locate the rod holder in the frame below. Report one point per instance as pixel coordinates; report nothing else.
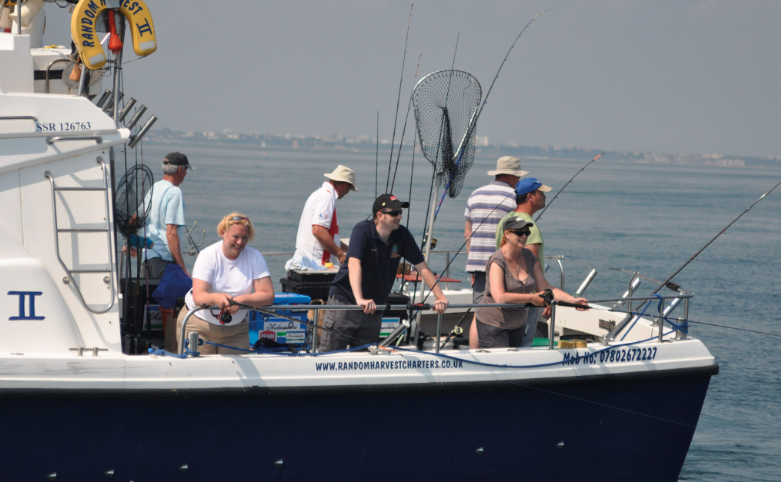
(109, 102)
(403, 326)
(632, 288)
(126, 110)
(672, 306)
(142, 132)
(102, 99)
(192, 340)
(136, 117)
(585, 283)
(110, 107)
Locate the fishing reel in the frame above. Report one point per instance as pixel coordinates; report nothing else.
(547, 296)
(223, 316)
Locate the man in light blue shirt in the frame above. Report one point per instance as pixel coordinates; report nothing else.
(166, 216)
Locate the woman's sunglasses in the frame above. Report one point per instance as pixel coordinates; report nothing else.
(239, 218)
(521, 232)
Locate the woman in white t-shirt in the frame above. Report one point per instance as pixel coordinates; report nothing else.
(227, 270)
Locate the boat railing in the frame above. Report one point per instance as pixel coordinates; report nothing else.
(664, 311)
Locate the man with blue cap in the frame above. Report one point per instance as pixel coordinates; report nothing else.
(529, 198)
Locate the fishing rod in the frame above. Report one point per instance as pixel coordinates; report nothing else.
(565, 186)
(505, 60)
(403, 131)
(457, 253)
(665, 283)
(485, 99)
(398, 99)
(377, 157)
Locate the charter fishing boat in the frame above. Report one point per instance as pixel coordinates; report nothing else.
(83, 400)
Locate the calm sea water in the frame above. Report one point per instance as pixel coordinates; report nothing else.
(646, 217)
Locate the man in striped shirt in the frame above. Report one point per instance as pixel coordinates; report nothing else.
(485, 208)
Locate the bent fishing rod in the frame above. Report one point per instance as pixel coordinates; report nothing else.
(673, 286)
(485, 99)
(565, 186)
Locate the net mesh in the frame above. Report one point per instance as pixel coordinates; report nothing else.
(130, 213)
(446, 105)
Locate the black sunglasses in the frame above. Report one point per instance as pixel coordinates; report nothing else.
(393, 213)
(521, 232)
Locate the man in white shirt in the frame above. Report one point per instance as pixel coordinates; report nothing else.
(166, 216)
(317, 242)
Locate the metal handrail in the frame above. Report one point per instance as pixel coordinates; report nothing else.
(49, 175)
(428, 307)
(52, 140)
(46, 87)
(19, 117)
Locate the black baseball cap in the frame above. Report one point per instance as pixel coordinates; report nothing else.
(388, 201)
(177, 159)
(516, 223)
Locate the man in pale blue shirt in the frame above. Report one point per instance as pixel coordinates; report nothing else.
(166, 216)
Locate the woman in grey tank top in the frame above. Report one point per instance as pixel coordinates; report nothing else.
(513, 276)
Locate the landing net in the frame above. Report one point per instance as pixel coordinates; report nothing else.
(130, 213)
(446, 105)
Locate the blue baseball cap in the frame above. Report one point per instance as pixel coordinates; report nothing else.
(530, 184)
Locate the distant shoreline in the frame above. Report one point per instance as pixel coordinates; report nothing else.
(364, 144)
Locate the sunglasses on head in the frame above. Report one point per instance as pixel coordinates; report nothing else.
(521, 232)
(239, 218)
(393, 213)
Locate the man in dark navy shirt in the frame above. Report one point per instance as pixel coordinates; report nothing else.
(376, 248)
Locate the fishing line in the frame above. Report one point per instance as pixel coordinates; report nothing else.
(456, 255)
(565, 186)
(398, 99)
(640, 84)
(403, 131)
(729, 327)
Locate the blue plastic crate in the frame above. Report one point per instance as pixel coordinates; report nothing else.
(279, 329)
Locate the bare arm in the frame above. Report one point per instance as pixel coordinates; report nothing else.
(202, 295)
(558, 295)
(172, 235)
(468, 235)
(441, 304)
(327, 242)
(355, 272)
(263, 293)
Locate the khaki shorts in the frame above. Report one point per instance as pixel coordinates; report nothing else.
(234, 335)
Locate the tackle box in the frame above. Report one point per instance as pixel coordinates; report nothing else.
(281, 330)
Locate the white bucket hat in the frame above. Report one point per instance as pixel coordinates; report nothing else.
(344, 174)
(508, 165)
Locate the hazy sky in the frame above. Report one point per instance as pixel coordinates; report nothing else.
(670, 76)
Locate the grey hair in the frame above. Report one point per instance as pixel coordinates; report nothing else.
(170, 169)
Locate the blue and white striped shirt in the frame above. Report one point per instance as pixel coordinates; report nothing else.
(485, 208)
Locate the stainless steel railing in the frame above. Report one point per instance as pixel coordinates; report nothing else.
(677, 298)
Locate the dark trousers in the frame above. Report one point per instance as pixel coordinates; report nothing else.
(349, 327)
(493, 337)
(156, 266)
